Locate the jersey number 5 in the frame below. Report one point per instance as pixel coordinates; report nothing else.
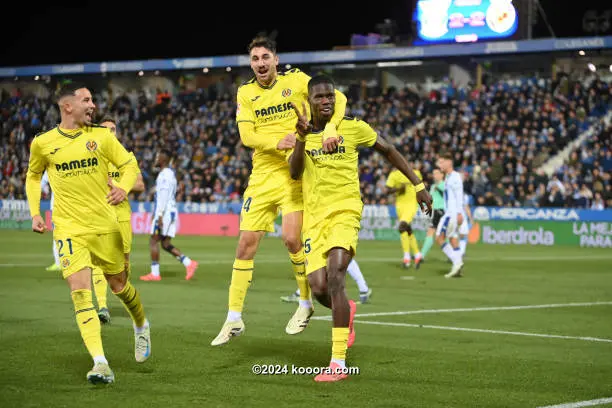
(60, 243)
(307, 247)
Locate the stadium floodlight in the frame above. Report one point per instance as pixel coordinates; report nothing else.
(610, 68)
(205, 70)
(288, 66)
(140, 73)
(228, 69)
(581, 52)
(156, 72)
(398, 64)
(592, 67)
(36, 78)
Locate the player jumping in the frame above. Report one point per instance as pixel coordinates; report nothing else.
(333, 206)
(266, 123)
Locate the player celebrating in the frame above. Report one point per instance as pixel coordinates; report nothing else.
(266, 123)
(46, 188)
(437, 193)
(406, 207)
(453, 217)
(86, 232)
(354, 271)
(124, 216)
(163, 223)
(333, 206)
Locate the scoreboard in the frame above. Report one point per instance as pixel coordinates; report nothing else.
(463, 21)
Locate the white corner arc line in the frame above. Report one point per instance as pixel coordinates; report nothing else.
(580, 404)
(467, 329)
(475, 309)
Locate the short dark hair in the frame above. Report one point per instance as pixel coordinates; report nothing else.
(166, 153)
(107, 118)
(320, 79)
(446, 156)
(69, 89)
(263, 41)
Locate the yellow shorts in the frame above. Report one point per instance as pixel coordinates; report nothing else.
(125, 229)
(87, 251)
(406, 214)
(265, 195)
(340, 230)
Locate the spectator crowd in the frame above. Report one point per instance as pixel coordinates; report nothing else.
(500, 135)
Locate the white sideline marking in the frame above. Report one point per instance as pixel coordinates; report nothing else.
(579, 404)
(472, 309)
(467, 329)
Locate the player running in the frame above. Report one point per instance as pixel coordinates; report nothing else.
(266, 123)
(163, 223)
(333, 206)
(86, 231)
(406, 207)
(124, 216)
(464, 228)
(453, 217)
(437, 193)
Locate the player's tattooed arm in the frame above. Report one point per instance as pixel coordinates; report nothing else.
(399, 162)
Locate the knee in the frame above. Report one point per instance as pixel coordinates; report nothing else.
(292, 242)
(247, 245)
(117, 282)
(318, 284)
(405, 227)
(335, 281)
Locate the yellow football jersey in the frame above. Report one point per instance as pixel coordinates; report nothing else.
(77, 165)
(408, 198)
(124, 211)
(330, 182)
(269, 109)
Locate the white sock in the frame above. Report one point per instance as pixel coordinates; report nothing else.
(155, 268)
(233, 316)
(418, 255)
(341, 363)
(463, 245)
(141, 329)
(448, 251)
(457, 256)
(185, 260)
(355, 272)
(407, 256)
(56, 254)
(100, 359)
(306, 303)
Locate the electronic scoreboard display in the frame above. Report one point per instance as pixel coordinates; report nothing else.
(461, 21)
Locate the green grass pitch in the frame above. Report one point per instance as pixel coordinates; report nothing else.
(413, 347)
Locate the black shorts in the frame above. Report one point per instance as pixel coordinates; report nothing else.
(435, 219)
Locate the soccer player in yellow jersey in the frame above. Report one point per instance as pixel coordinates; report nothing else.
(266, 123)
(333, 206)
(124, 216)
(86, 231)
(406, 207)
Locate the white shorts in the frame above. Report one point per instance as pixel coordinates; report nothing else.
(447, 226)
(169, 225)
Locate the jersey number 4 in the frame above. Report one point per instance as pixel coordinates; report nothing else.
(247, 204)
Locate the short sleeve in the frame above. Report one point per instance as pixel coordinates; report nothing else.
(37, 163)
(366, 136)
(392, 179)
(244, 111)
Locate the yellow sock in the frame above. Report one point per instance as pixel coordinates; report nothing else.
(414, 245)
(100, 287)
(242, 274)
(297, 262)
(405, 238)
(339, 341)
(130, 298)
(88, 322)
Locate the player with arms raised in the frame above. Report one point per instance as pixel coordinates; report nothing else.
(266, 122)
(453, 214)
(86, 231)
(333, 206)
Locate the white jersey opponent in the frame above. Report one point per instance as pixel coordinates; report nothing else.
(453, 204)
(165, 203)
